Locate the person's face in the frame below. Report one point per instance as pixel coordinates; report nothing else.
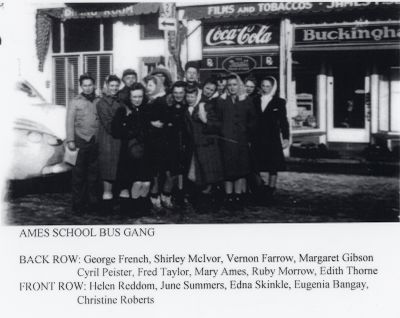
(266, 87)
(87, 86)
(137, 97)
(221, 86)
(250, 87)
(113, 87)
(191, 99)
(179, 94)
(233, 86)
(161, 76)
(151, 87)
(209, 90)
(191, 74)
(129, 80)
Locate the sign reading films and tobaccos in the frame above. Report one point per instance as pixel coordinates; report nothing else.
(240, 34)
(358, 34)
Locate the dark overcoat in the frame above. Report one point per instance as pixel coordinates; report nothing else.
(131, 129)
(156, 139)
(266, 144)
(109, 147)
(176, 137)
(238, 121)
(204, 145)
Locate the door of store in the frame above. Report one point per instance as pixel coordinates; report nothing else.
(348, 98)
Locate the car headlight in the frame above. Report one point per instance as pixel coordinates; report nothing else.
(53, 141)
(34, 137)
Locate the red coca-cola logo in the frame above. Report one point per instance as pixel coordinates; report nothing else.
(253, 34)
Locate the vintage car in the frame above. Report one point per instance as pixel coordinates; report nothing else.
(39, 134)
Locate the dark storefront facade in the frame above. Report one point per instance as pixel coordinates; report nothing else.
(337, 63)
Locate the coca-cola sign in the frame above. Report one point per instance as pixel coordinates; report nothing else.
(257, 34)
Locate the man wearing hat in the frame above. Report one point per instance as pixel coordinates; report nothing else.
(129, 77)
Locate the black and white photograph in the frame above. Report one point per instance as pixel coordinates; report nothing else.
(200, 159)
(155, 113)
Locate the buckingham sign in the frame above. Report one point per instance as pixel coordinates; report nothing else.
(256, 34)
(348, 34)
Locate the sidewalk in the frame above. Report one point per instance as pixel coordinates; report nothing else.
(359, 166)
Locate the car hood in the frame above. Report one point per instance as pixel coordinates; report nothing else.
(46, 117)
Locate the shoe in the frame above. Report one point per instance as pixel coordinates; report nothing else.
(263, 195)
(166, 201)
(238, 201)
(229, 202)
(156, 202)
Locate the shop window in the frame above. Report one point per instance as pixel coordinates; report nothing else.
(149, 27)
(82, 36)
(305, 115)
(68, 68)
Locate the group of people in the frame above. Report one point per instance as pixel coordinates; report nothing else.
(158, 144)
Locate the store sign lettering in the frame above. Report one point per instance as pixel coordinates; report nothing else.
(248, 35)
(257, 8)
(239, 64)
(346, 34)
(240, 34)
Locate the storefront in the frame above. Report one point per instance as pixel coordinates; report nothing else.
(352, 70)
(337, 62)
(99, 38)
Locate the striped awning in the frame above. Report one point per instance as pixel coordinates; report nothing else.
(101, 11)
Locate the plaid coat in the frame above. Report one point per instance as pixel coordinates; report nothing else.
(109, 147)
(238, 120)
(205, 149)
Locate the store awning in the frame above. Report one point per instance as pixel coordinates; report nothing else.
(102, 10)
(236, 10)
(44, 18)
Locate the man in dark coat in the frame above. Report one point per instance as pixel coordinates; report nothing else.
(82, 126)
(267, 146)
(237, 116)
(129, 77)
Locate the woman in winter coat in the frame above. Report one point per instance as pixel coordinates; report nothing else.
(129, 124)
(109, 147)
(156, 114)
(236, 113)
(203, 127)
(272, 127)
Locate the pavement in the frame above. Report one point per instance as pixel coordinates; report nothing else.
(302, 197)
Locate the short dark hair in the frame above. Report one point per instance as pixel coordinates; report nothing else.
(84, 77)
(179, 84)
(137, 86)
(210, 80)
(113, 78)
(192, 64)
(269, 79)
(191, 90)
